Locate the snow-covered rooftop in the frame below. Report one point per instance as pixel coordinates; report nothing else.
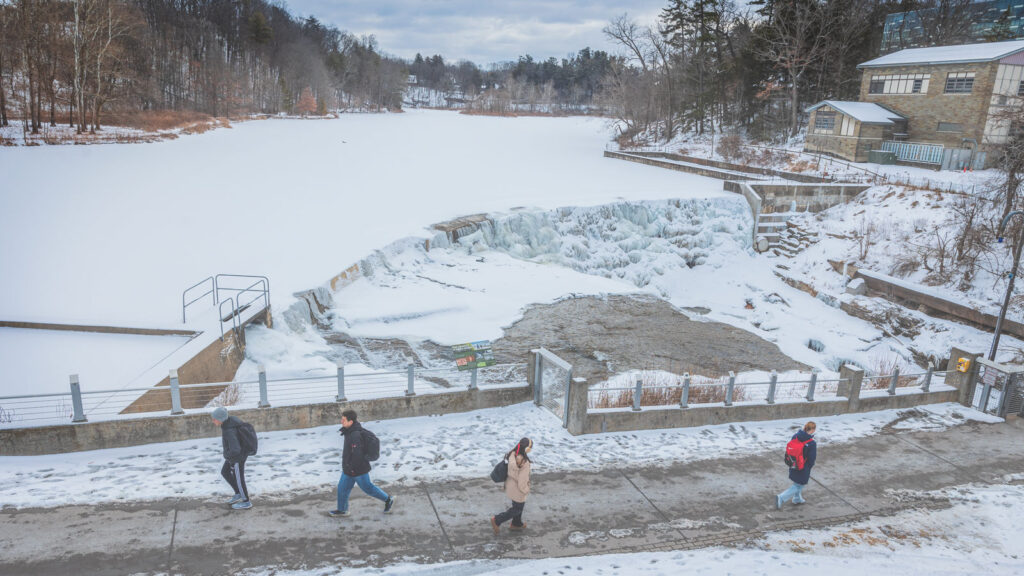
(866, 112)
(983, 52)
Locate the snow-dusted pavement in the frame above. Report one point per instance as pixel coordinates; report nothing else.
(715, 496)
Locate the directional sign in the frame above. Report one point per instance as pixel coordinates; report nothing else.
(473, 355)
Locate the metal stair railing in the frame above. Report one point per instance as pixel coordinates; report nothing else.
(241, 297)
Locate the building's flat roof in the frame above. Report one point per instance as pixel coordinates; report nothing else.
(866, 112)
(984, 52)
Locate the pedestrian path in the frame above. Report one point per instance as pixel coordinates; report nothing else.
(568, 514)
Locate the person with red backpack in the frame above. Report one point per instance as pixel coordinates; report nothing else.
(239, 442)
(801, 451)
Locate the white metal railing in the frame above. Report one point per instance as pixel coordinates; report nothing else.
(914, 151)
(78, 405)
(727, 391)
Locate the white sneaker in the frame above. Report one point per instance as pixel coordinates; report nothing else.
(235, 498)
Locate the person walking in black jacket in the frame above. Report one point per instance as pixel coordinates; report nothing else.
(355, 468)
(800, 476)
(235, 455)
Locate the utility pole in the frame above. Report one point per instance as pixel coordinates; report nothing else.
(1013, 276)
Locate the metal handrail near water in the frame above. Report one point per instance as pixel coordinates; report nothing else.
(82, 405)
(212, 290)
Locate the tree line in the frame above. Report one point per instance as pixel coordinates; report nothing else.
(569, 85)
(70, 60)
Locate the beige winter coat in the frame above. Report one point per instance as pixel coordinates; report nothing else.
(517, 485)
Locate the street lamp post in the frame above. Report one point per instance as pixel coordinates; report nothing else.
(1013, 276)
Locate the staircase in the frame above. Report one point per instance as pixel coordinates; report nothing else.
(784, 237)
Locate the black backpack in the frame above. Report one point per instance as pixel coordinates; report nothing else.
(247, 437)
(500, 472)
(371, 446)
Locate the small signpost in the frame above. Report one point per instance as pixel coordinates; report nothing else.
(473, 355)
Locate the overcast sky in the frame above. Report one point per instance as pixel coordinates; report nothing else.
(484, 31)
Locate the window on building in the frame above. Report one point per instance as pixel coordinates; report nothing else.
(824, 121)
(848, 126)
(1020, 88)
(899, 84)
(950, 127)
(959, 82)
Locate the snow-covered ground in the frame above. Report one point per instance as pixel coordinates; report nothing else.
(46, 358)
(979, 534)
(413, 450)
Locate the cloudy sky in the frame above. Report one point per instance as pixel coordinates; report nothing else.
(483, 31)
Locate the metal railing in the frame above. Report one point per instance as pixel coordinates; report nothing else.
(79, 405)
(914, 151)
(688, 390)
(255, 291)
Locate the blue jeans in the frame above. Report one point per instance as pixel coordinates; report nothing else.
(796, 492)
(345, 488)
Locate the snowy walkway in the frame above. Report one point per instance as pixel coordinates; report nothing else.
(569, 514)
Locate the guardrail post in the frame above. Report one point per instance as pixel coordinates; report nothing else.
(638, 393)
(538, 378)
(810, 386)
(175, 394)
(684, 398)
(729, 388)
(411, 391)
(894, 380)
(771, 387)
(263, 387)
(341, 383)
(76, 401)
(928, 378)
(472, 379)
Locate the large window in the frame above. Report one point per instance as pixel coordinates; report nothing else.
(950, 127)
(1020, 88)
(899, 84)
(825, 121)
(959, 82)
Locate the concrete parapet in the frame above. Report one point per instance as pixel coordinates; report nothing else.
(579, 391)
(850, 380)
(133, 432)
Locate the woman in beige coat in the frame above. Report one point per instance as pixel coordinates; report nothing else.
(517, 486)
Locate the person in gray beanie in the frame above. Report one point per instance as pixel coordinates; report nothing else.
(239, 441)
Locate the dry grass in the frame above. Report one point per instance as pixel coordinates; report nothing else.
(156, 120)
(656, 392)
(228, 397)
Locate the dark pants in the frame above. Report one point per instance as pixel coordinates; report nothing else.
(515, 513)
(234, 473)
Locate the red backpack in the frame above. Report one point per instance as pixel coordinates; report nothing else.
(795, 453)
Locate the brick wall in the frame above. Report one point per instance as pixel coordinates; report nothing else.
(926, 110)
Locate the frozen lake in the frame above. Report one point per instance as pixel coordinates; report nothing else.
(112, 234)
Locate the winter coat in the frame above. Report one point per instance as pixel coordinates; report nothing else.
(810, 453)
(233, 451)
(353, 458)
(517, 485)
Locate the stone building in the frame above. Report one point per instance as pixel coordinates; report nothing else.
(945, 104)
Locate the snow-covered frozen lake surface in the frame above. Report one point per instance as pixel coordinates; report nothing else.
(45, 358)
(115, 233)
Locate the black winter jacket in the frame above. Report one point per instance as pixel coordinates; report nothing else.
(233, 451)
(353, 458)
(810, 455)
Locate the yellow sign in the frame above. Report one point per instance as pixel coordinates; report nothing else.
(962, 365)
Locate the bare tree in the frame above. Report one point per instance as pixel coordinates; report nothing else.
(796, 41)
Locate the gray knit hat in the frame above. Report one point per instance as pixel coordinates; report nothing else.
(219, 413)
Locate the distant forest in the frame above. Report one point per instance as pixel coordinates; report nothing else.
(707, 66)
